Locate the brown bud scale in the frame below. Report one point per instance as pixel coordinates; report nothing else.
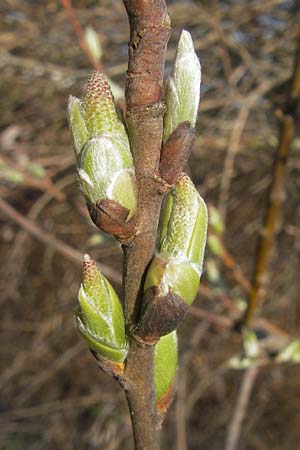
(110, 217)
(175, 152)
(160, 315)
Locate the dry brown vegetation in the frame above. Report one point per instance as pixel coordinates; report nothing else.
(52, 394)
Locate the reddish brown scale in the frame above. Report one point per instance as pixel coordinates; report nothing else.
(175, 152)
(89, 269)
(165, 401)
(110, 217)
(97, 86)
(160, 315)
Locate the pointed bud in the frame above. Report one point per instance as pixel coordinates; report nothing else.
(173, 277)
(105, 165)
(165, 367)
(99, 107)
(183, 87)
(184, 224)
(100, 318)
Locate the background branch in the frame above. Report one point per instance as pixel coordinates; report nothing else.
(67, 5)
(288, 118)
(240, 410)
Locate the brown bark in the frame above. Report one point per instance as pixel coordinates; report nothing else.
(145, 418)
(149, 32)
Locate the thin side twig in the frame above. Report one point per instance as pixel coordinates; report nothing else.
(240, 410)
(67, 5)
(48, 239)
(233, 148)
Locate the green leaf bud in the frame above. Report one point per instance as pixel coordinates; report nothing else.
(100, 318)
(184, 224)
(183, 87)
(173, 277)
(106, 172)
(93, 42)
(212, 270)
(250, 344)
(215, 221)
(165, 367)
(105, 164)
(239, 362)
(290, 353)
(215, 245)
(10, 174)
(36, 169)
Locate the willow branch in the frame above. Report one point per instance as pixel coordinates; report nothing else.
(149, 33)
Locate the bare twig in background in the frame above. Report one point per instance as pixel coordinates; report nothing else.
(60, 362)
(236, 134)
(67, 5)
(44, 183)
(275, 195)
(19, 251)
(240, 410)
(231, 264)
(48, 239)
(41, 344)
(233, 147)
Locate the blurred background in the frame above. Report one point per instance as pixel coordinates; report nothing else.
(53, 396)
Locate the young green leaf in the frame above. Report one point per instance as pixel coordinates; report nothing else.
(182, 243)
(165, 365)
(183, 87)
(77, 124)
(100, 318)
